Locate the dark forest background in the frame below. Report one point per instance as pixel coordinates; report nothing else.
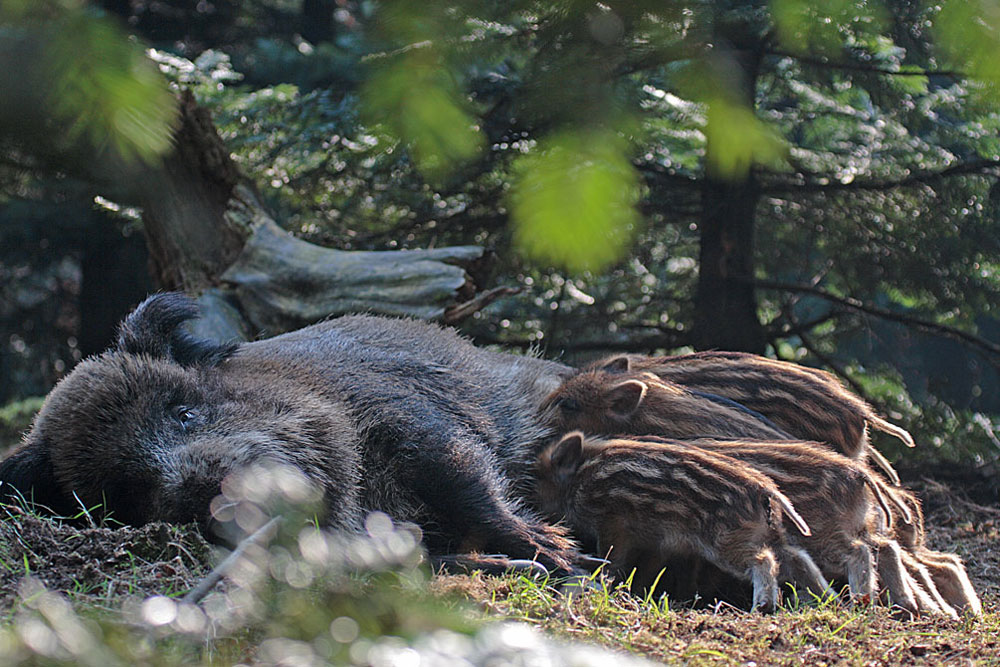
(815, 183)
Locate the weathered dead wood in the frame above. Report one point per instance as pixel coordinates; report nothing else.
(208, 231)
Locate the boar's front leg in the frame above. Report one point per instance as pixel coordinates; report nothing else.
(459, 481)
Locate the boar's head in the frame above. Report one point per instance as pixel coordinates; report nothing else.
(149, 429)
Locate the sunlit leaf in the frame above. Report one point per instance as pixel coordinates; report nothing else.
(573, 200)
(418, 102)
(969, 32)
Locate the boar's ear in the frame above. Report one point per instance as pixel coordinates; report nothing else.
(567, 454)
(28, 474)
(627, 397)
(615, 365)
(153, 329)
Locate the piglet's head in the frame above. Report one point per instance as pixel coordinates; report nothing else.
(596, 402)
(556, 467)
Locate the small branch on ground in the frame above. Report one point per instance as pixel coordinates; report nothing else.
(204, 586)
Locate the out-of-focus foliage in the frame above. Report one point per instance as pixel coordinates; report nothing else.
(969, 33)
(304, 596)
(572, 200)
(70, 75)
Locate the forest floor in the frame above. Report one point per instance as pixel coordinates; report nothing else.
(958, 521)
(100, 567)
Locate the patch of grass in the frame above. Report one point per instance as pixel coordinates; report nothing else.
(15, 418)
(292, 598)
(828, 631)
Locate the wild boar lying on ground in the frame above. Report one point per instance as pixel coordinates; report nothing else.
(394, 415)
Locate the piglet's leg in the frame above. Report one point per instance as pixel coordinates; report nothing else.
(744, 553)
(896, 582)
(951, 579)
(798, 568)
(860, 565)
(763, 571)
(922, 577)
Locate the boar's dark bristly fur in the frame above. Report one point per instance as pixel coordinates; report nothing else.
(154, 329)
(383, 414)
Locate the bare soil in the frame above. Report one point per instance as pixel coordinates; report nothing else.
(97, 565)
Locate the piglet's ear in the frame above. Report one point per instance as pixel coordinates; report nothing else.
(619, 364)
(154, 329)
(567, 454)
(627, 397)
(27, 474)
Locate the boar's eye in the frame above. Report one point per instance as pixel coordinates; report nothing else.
(568, 405)
(184, 415)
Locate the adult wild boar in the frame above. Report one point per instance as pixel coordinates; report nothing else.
(384, 414)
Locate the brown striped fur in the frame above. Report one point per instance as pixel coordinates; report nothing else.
(643, 500)
(835, 494)
(600, 401)
(808, 403)
(604, 403)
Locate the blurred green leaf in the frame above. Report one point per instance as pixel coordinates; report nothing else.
(573, 200)
(969, 32)
(822, 28)
(417, 102)
(105, 88)
(912, 84)
(737, 140)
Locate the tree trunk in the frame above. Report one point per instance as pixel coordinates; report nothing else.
(725, 302)
(191, 239)
(209, 233)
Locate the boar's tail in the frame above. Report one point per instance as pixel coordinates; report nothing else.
(880, 424)
(789, 509)
(884, 464)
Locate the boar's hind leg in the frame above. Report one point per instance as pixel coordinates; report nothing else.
(471, 503)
